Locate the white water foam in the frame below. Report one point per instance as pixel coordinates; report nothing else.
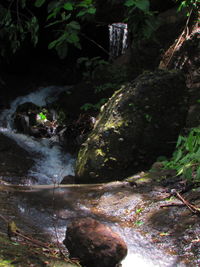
(141, 252)
(51, 164)
(41, 97)
(118, 35)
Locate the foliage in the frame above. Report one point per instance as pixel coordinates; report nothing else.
(16, 23)
(89, 66)
(95, 107)
(105, 86)
(19, 21)
(142, 22)
(65, 18)
(189, 4)
(42, 116)
(186, 158)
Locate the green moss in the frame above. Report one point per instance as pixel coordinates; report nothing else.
(5, 263)
(112, 159)
(113, 125)
(99, 152)
(81, 161)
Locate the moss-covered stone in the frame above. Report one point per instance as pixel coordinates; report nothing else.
(140, 122)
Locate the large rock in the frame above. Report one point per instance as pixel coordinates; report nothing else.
(94, 243)
(140, 122)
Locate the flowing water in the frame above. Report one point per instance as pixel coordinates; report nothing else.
(118, 35)
(50, 210)
(51, 165)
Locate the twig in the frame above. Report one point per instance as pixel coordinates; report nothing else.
(92, 41)
(179, 41)
(191, 207)
(24, 188)
(171, 205)
(34, 241)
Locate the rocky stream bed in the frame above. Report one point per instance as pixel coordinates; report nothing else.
(157, 226)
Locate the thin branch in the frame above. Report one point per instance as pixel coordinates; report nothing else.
(92, 41)
(191, 207)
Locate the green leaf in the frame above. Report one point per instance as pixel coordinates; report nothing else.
(138, 223)
(68, 6)
(81, 13)
(73, 38)
(52, 44)
(52, 15)
(178, 155)
(82, 4)
(142, 5)
(87, 106)
(190, 142)
(129, 3)
(74, 25)
(39, 3)
(188, 173)
(180, 139)
(198, 173)
(54, 6)
(53, 23)
(42, 116)
(91, 10)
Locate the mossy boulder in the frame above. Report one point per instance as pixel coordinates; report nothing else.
(140, 122)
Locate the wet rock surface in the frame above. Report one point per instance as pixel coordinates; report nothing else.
(94, 243)
(153, 222)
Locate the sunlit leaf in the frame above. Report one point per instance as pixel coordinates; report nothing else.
(164, 234)
(138, 223)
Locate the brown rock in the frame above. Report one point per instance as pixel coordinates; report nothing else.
(94, 243)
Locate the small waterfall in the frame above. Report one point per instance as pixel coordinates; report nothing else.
(51, 164)
(41, 97)
(118, 34)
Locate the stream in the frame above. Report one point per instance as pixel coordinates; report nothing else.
(49, 210)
